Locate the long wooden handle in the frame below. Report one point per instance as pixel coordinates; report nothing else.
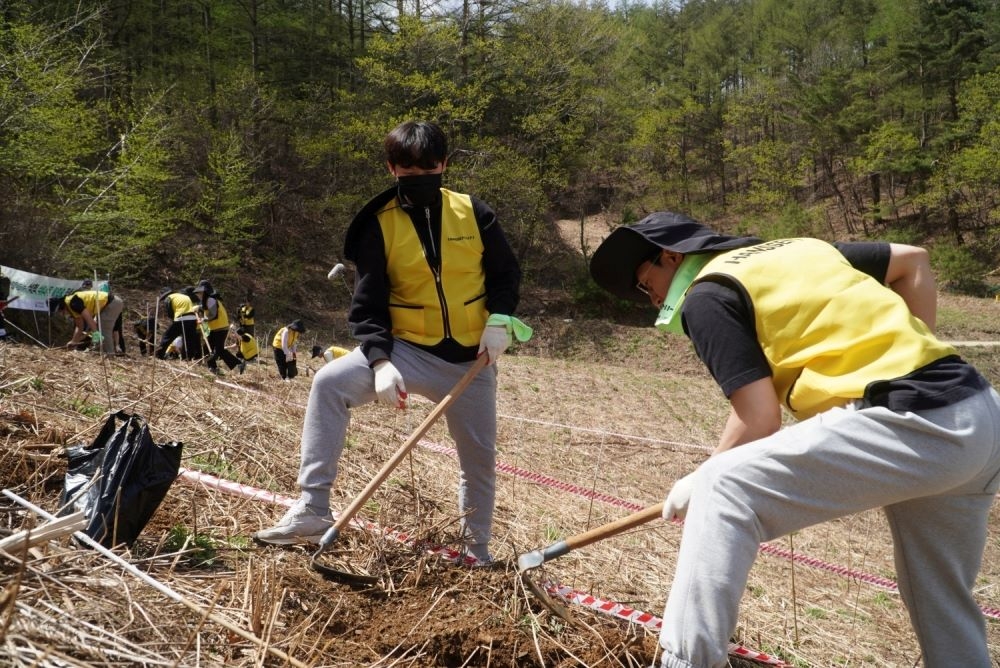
(614, 528)
(348, 513)
(536, 558)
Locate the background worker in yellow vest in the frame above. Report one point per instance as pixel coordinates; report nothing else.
(179, 307)
(248, 349)
(841, 336)
(284, 345)
(245, 314)
(330, 354)
(92, 310)
(421, 323)
(213, 314)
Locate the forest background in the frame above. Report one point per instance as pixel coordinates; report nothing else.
(159, 142)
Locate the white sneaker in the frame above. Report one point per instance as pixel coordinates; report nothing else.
(299, 524)
(479, 552)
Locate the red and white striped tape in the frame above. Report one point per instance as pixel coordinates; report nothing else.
(765, 548)
(542, 479)
(600, 605)
(645, 619)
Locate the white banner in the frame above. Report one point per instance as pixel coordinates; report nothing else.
(33, 291)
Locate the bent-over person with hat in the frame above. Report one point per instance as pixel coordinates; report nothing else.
(841, 336)
(284, 346)
(95, 311)
(182, 310)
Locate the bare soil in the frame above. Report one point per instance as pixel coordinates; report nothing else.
(596, 420)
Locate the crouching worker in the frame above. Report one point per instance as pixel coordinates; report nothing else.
(421, 323)
(841, 336)
(90, 310)
(330, 354)
(145, 333)
(248, 349)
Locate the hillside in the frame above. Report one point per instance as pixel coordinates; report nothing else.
(596, 421)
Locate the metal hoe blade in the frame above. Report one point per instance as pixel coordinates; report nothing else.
(536, 558)
(549, 603)
(350, 577)
(348, 514)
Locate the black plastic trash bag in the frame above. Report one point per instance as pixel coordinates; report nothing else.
(133, 476)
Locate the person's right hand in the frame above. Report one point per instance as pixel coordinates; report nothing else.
(676, 503)
(389, 384)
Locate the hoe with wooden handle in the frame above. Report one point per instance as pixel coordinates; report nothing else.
(536, 558)
(348, 514)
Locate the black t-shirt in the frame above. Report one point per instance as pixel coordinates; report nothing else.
(718, 318)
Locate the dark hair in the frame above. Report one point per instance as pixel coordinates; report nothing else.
(416, 144)
(56, 304)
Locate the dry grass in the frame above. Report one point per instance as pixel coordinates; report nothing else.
(614, 411)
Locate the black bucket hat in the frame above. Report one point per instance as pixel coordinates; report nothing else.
(316, 351)
(619, 255)
(297, 326)
(56, 303)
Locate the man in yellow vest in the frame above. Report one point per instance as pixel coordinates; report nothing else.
(840, 336)
(330, 354)
(421, 323)
(248, 349)
(90, 310)
(180, 310)
(245, 314)
(215, 317)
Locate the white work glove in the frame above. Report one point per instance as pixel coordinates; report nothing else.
(389, 385)
(676, 503)
(494, 341)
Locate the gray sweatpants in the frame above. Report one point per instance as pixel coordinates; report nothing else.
(935, 474)
(108, 315)
(348, 381)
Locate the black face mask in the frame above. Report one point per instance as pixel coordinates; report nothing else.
(419, 190)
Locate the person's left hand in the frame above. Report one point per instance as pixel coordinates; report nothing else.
(676, 503)
(494, 341)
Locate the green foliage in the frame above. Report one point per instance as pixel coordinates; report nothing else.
(159, 143)
(215, 464)
(227, 210)
(510, 182)
(133, 194)
(792, 221)
(958, 268)
(198, 549)
(83, 407)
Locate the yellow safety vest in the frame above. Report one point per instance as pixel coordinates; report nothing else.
(180, 304)
(425, 310)
(221, 320)
(246, 315)
(293, 336)
(93, 300)
(826, 329)
(248, 347)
